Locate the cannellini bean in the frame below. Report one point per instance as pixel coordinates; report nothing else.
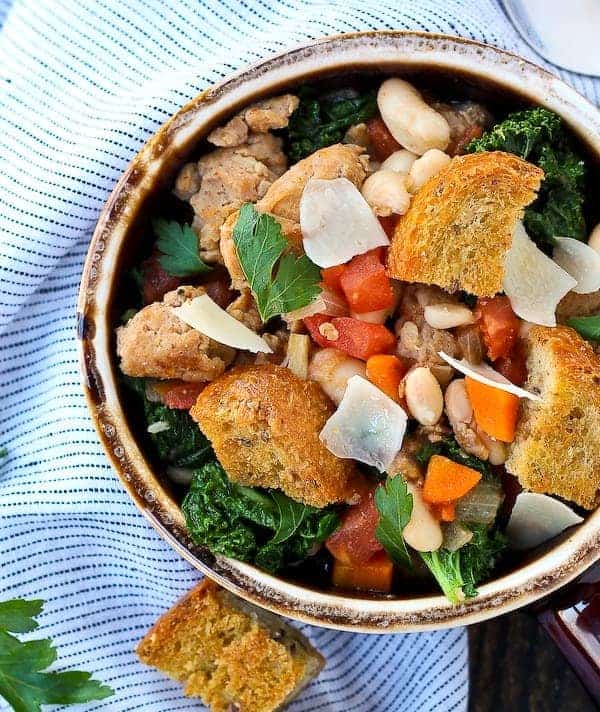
(412, 122)
(594, 239)
(497, 450)
(448, 316)
(332, 369)
(429, 165)
(423, 532)
(423, 396)
(458, 405)
(400, 161)
(387, 192)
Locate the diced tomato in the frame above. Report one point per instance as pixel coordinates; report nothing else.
(374, 575)
(179, 395)
(457, 147)
(498, 324)
(514, 366)
(331, 277)
(156, 281)
(366, 284)
(355, 542)
(356, 338)
(383, 144)
(217, 288)
(388, 223)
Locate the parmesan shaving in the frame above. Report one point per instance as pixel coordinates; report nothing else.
(202, 314)
(581, 261)
(337, 222)
(535, 518)
(485, 374)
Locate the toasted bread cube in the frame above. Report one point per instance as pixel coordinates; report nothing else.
(557, 445)
(460, 223)
(234, 656)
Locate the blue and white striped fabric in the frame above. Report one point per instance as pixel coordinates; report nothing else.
(84, 84)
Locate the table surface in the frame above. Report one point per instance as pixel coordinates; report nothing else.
(515, 666)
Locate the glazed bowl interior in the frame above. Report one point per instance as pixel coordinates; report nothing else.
(448, 66)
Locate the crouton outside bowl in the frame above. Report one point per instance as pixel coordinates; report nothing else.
(485, 72)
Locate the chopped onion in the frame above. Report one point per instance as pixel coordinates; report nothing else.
(455, 536)
(180, 475)
(298, 352)
(158, 427)
(327, 302)
(481, 504)
(535, 518)
(533, 282)
(368, 426)
(337, 223)
(581, 261)
(485, 374)
(151, 393)
(202, 314)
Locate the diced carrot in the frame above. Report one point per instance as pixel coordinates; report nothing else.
(447, 481)
(179, 395)
(445, 512)
(356, 338)
(331, 277)
(498, 324)
(495, 410)
(374, 575)
(383, 144)
(386, 372)
(354, 542)
(366, 284)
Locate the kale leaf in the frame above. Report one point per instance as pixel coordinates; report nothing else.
(181, 444)
(539, 136)
(322, 118)
(260, 244)
(459, 572)
(261, 527)
(587, 326)
(448, 447)
(394, 504)
(23, 682)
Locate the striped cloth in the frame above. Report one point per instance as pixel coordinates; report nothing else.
(84, 84)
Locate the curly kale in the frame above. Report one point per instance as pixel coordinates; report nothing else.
(258, 526)
(322, 119)
(448, 447)
(459, 572)
(181, 443)
(539, 136)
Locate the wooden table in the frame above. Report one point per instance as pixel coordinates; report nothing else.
(515, 667)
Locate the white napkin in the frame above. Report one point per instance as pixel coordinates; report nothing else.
(84, 84)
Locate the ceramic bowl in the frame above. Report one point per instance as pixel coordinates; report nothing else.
(490, 73)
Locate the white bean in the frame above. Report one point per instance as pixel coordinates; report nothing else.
(412, 122)
(400, 161)
(458, 405)
(332, 369)
(448, 316)
(498, 451)
(423, 396)
(429, 165)
(423, 532)
(594, 239)
(387, 192)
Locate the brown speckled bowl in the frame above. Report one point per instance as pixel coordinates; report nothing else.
(491, 73)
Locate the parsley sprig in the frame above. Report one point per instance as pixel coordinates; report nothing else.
(280, 282)
(23, 684)
(179, 246)
(394, 504)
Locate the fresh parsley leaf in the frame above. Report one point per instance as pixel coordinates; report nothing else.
(23, 684)
(279, 283)
(291, 514)
(587, 326)
(179, 246)
(394, 505)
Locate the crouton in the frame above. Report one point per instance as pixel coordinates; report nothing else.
(557, 445)
(232, 655)
(459, 225)
(264, 424)
(156, 344)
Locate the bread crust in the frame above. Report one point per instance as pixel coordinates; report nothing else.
(459, 225)
(557, 445)
(264, 423)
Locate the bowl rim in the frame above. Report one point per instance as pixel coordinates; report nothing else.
(375, 50)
